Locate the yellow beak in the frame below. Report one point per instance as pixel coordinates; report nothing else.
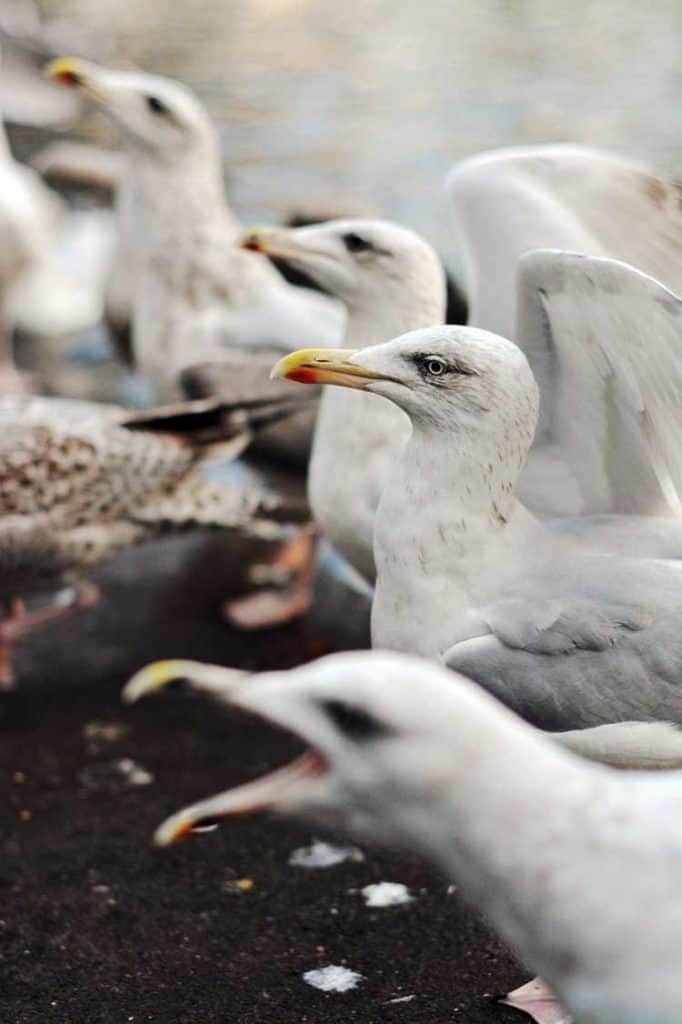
(75, 74)
(324, 366)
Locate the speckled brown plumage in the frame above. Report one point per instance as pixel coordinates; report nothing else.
(80, 480)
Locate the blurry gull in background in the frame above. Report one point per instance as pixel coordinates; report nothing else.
(391, 281)
(574, 864)
(576, 199)
(80, 480)
(47, 287)
(566, 635)
(194, 294)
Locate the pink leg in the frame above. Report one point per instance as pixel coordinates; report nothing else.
(20, 623)
(535, 999)
(275, 606)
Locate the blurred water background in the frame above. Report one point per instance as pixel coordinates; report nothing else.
(363, 105)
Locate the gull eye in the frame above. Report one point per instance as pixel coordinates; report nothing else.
(353, 722)
(356, 243)
(435, 366)
(156, 105)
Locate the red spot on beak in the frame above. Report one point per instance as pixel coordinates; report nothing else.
(303, 374)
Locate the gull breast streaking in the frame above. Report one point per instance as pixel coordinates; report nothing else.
(566, 635)
(195, 293)
(391, 281)
(573, 198)
(575, 865)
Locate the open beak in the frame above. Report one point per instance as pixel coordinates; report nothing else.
(324, 366)
(76, 74)
(261, 794)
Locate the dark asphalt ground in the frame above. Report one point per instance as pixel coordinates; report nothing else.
(98, 927)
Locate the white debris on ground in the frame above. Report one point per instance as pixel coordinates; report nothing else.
(115, 774)
(333, 978)
(400, 999)
(324, 855)
(386, 894)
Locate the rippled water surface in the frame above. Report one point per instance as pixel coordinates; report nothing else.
(365, 105)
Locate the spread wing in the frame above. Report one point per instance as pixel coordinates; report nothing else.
(606, 341)
(569, 197)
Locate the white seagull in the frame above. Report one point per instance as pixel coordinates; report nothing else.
(567, 636)
(391, 281)
(194, 293)
(575, 865)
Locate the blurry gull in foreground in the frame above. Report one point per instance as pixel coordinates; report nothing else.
(80, 480)
(195, 294)
(575, 865)
(566, 635)
(510, 201)
(391, 281)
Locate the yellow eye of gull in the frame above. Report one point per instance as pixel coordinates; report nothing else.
(435, 366)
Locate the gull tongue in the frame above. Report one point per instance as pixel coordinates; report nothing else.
(252, 796)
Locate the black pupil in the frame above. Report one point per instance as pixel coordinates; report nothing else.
(435, 366)
(155, 104)
(356, 243)
(354, 722)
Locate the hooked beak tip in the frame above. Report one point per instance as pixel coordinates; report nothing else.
(154, 677)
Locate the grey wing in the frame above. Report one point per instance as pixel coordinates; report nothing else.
(606, 341)
(570, 666)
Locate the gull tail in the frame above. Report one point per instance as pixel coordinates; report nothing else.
(652, 745)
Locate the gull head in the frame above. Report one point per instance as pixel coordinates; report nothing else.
(446, 376)
(157, 116)
(368, 264)
(377, 725)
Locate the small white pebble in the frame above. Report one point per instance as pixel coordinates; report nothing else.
(323, 855)
(387, 894)
(134, 772)
(333, 978)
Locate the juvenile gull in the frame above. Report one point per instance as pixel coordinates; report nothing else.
(391, 281)
(564, 634)
(574, 864)
(80, 480)
(194, 293)
(574, 198)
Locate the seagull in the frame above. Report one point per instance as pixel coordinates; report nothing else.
(79, 480)
(404, 752)
(45, 289)
(577, 199)
(391, 281)
(564, 634)
(196, 294)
